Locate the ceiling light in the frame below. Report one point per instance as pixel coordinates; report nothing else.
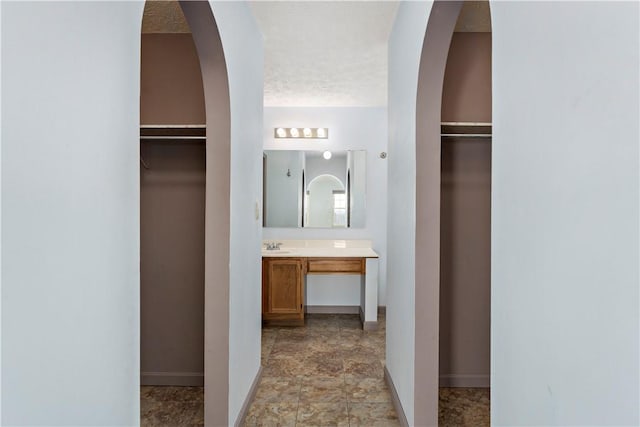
(321, 133)
(307, 132)
(294, 132)
(281, 133)
(326, 155)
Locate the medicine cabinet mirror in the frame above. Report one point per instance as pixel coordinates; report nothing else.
(305, 189)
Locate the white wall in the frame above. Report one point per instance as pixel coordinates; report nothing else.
(405, 48)
(70, 260)
(565, 323)
(349, 129)
(244, 55)
(0, 214)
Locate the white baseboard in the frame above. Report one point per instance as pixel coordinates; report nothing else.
(332, 309)
(172, 378)
(402, 418)
(249, 400)
(462, 380)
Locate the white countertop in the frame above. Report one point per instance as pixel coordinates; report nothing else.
(321, 248)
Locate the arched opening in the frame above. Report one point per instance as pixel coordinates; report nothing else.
(465, 222)
(184, 196)
(453, 212)
(326, 202)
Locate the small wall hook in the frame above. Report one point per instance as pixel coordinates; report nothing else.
(288, 172)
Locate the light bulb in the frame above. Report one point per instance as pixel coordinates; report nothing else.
(321, 133)
(306, 132)
(281, 133)
(294, 132)
(326, 155)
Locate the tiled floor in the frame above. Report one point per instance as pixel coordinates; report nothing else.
(171, 406)
(327, 373)
(463, 407)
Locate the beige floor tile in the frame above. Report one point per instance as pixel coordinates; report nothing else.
(198, 419)
(372, 415)
(321, 367)
(363, 354)
(170, 413)
(323, 389)
(285, 367)
(323, 414)
(316, 373)
(272, 414)
(369, 390)
(363, 369)
(462, 407)
(288, 349)
(276, 389)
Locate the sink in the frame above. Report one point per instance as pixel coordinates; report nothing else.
(274, 251)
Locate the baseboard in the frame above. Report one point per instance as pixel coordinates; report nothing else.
(368, 325)
(471, 381)
(402, 418)
(172, 378)
(249, 400)
(332, 309)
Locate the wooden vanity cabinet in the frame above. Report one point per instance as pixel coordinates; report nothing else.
(283, 290)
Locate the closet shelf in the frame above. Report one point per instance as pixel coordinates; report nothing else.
(465, 129)
(173, 132)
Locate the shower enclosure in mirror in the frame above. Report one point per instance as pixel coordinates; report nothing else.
(307, 189)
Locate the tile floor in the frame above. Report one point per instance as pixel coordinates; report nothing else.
(463, 407)
(326, 373)
(171, 406)
(329, 372)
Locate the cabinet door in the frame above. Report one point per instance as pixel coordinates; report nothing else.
(284, 286)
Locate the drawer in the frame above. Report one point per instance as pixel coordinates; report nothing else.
(336, 265)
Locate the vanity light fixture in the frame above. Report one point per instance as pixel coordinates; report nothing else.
(307, 133)
(326, 155)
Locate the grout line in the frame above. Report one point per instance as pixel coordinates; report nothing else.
(295, 422)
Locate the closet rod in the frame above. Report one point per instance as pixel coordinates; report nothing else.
(173, 126)
(466, 135)
(474, 124)
(175, 137)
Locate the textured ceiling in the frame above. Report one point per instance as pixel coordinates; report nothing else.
(320, 53)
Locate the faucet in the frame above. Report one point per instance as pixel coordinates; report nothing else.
(273, 246)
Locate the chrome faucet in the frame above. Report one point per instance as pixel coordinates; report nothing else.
(273, 246)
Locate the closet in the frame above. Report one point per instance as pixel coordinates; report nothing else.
(465, 221)
(172, 211)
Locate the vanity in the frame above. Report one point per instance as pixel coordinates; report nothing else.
(286, 266)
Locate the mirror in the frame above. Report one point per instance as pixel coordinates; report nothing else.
(305, 189)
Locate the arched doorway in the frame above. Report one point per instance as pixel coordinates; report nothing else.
(320, 200)
(209, 315)
(465, 222)
(436, 215)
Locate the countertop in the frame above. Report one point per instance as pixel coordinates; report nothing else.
(321, 249)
